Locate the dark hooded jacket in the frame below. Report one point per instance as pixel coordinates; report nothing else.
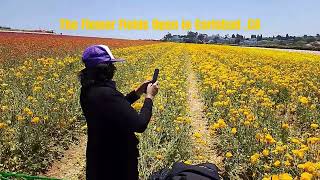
(112, 145)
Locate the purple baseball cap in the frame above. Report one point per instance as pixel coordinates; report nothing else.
(98, 54)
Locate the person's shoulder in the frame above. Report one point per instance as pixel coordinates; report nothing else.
(104, 91)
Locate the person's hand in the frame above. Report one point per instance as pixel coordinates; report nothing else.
(152, 90)
(142, 88)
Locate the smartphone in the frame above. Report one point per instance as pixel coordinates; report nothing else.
(155, 76)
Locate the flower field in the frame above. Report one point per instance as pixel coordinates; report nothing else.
(17, 46)
(261, 106)
(41, 115)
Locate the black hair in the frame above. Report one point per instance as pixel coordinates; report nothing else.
(99, 73)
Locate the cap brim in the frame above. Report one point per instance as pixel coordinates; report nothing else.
(117, 60)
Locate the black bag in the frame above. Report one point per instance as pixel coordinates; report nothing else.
(182, 171)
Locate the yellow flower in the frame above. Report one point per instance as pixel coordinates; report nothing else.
(56, 75)
(36, 88)
(35, 120)
(246, 122)
(30, 98)
(308, 166)
(314, 126)
(277, 163)
(40, 78)
(265, 152)
(285, 126)
(187, 120)
(19, 74)
(199, 157)
(313, 140)
(254, 158)
(214, 126)
(234, 130)
(62, 100)
(189, 162)
(304, 147)
(159, 156)
(274, 177)
(197, 135)
(84, 127)
(70, 91)
(28, 111)
(295, 140)
(266, 178)
(51, 95)
(161, 108)
(137, 106)
(287, 163)
(299, 153)
(229, 91)
(288, 156)
(269, 139)
(4, 108)
(221, 123)
(266, 167)
(20, 118)
(3, 125)
(259, 137)
(229, 155)
(4, 85)
(285, 176)
(304, 100)
(306, 176)
(279, 149)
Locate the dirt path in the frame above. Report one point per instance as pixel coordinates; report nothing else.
(72, 165)
(203, 150)
(300, 51)
(289, 50)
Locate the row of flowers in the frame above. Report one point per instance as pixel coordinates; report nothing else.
(41, 115)
(166, 139)
(263, 106)
(20, 46)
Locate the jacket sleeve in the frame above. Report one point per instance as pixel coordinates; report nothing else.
(132, 97)
(126, 115)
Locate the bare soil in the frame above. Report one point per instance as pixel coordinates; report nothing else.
(204, 149)
(290, 50)
(72, 165)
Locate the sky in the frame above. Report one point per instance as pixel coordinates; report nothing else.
(295, 17)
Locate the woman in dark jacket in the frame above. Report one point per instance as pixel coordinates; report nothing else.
(112, 145)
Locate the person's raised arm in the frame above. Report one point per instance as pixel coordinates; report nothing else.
(128, 117)
(134, 95)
